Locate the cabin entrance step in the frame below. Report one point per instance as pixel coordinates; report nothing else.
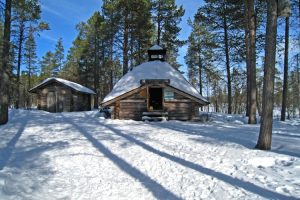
(155, 116)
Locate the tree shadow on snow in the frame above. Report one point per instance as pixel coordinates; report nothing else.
(219, 134)
(155, 188)
(223, 134)
(6, 152)
(24, 168)
(30, 156)
(223, 177)
(28, 169)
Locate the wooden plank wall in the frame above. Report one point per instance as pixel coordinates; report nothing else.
(64, 96)
(180, 108)
(81, 101)
(69, 100)
(132, 107)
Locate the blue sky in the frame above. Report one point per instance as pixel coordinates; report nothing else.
(63, 15)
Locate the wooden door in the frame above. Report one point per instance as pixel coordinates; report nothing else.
(51, 102)
(60, 103)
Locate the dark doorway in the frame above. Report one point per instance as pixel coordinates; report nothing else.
(156, 98)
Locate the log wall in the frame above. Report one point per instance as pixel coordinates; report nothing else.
(132, 107)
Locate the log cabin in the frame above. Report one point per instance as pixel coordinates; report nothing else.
(59, 95)
(154, 89)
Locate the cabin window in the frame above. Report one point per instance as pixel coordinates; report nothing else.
(157, 56)
(154, 56)
(168, 94)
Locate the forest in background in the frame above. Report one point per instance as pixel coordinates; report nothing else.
(111, 42)
(116, 38)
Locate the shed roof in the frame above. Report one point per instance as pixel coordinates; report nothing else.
(70, 84)
(152, 70)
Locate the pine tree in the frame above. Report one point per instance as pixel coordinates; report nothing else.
(251, 59)
(4, 67)
(140, 33)
(58, 57)
(293, 97)
(285, 74)
(275, 9)
(88, 56)
(200, 54)
(131, 23)
(47, 65)
(225, 19)
(96, 50)
(167, 16)
(27, 14)
(265, 135)
(111, 19)
(70, 71)
(30, 59)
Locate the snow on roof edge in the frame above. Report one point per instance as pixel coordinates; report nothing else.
(73, 85)
(156, 47)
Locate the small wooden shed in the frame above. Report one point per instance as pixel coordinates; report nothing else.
(154, 89)
(59, 95)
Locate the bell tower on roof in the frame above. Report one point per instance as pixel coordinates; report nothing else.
(156, 52)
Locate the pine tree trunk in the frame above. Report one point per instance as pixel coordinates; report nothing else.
(247, 57)
(158, 24)
(4, 77)
(285, 73)
(111, 82)
(227, 63)
(125, 45)
(131, 51)
(139, 59)
(257, 102)
(252, 62)
(265, 134)
(29, 79)
(20, 44)
(96, 72)
(298, 80)
(200, 74)
(102, 71)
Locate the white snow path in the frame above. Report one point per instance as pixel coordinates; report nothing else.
(79, 156)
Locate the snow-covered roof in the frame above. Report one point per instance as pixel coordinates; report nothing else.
(70, 84)
(152, 70)
(156, 47)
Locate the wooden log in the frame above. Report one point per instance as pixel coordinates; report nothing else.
(133, 101)
(177, 105)
(178, 101)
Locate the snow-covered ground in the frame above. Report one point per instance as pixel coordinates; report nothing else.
(81, 156)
